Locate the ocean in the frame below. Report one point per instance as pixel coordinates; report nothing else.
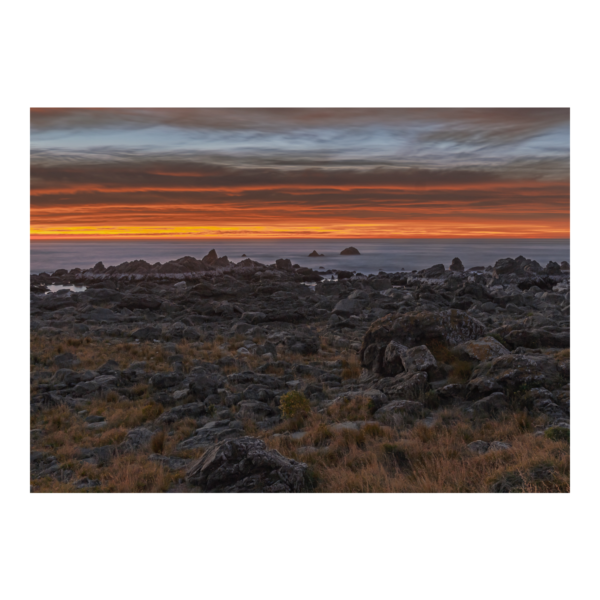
(376, 255)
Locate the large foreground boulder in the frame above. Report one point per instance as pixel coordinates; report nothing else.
(245, 465)
(449, 327)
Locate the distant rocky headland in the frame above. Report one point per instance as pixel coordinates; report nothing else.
(205, 375)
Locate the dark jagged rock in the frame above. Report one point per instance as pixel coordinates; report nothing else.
(245, 465)
(315, 254)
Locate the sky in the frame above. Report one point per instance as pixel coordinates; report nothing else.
(302, 173)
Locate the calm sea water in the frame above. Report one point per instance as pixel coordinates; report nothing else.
(376, 255)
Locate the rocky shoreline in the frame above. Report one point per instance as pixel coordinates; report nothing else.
(178, 372)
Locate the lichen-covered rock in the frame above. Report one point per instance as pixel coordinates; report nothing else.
(450, 327)
(481, 350)
(410, 386)
(418, 358)
(136, 439)
(491, 405)
(245, 465)
(538, 338)
(392, 358)
(409, 407)
(513, 372)
(162, 381)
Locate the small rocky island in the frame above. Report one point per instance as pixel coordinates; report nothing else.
(201, 375)
(351, 251)
(315, 254)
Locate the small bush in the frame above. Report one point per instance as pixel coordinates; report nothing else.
(294, 404)
(558, 434)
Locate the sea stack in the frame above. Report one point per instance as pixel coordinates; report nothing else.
(349, 251)
(315, 254)
(457, 265)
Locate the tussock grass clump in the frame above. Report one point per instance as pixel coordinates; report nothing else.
(111, 396)
(351, 367)
(157, 443)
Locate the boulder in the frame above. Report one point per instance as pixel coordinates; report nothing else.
(433, 272)
(565, 266)
(245, 465)
(418, 358)
(66, 360)
(392, 358)
(552, 268)
(161, 381)
(303, 343)
(344, 275)
(147, 333)
(192, 410)
(409, 407)
(380, 284)
(513, 372)
(537, 338)
(481, 350)
(449, 327)
(478, 447)
(203, 386)
(347, 307)
(491, 405)
(136, 439)
(405, 386)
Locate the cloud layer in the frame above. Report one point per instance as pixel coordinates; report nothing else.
(300, 172)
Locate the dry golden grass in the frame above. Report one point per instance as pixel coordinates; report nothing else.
(376, 458)
(355, 409)
(94, 353)
(65, 434)
(426, 459)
